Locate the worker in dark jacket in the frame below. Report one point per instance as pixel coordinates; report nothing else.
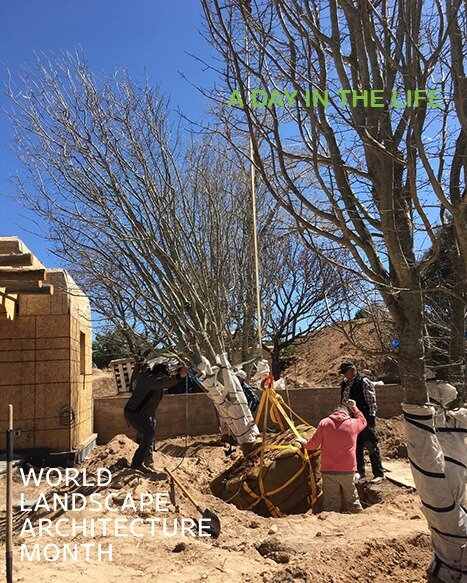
(148, 390)
(362, 391)
(252, 398)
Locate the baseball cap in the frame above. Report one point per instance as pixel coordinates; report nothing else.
(241, 374)
(344, 367)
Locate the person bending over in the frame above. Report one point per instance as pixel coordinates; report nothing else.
(148, 389)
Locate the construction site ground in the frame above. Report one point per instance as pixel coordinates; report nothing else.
(388, 541)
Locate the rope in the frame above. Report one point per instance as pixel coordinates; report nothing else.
(273, 405)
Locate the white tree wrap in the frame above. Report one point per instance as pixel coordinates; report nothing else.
(229, 400)
(437, 448)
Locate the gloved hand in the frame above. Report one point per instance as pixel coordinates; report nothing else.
(371, 421)
(351, 404)
(183, 371)
(302, 441)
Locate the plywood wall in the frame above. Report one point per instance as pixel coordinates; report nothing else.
(46, 368)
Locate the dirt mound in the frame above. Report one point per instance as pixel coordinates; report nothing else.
(387, 542)
(392, 438)
(103, 384)
(392, 560)
(315, 362)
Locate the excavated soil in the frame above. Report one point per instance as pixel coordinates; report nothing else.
(388, 541)
(315, 361)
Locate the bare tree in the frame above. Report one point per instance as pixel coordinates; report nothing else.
(334, 95)
(146, 220)
(157, 230)
(303, 293)
(368, 179)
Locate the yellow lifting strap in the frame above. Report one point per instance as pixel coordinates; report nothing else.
(277, 405)
(264, 495)
(273, 405)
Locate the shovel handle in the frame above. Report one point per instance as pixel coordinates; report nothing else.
(183, 489)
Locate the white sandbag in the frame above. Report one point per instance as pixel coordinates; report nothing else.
(441, 392)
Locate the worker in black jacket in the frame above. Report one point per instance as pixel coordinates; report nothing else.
(148, 389)
(362, 391)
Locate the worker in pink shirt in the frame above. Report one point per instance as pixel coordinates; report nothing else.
(336, 436)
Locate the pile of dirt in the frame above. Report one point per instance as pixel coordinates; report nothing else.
(103, 384)
(315, 361)
(392, 439)
(387, 542)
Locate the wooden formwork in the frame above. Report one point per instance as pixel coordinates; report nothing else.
(122, 369)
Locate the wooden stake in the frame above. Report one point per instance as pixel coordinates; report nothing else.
(9, 497)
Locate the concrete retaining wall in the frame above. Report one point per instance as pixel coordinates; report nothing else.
(311, 404)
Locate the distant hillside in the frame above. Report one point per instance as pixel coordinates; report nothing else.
(315, 362)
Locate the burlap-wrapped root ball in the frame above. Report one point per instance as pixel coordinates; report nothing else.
(280, 482)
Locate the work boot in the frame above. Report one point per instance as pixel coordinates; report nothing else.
(377, 480)
(229, 439)
(149, 463)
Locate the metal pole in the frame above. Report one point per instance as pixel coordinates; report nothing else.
(9, 497)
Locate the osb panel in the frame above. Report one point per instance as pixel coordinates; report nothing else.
(22, 399)
(77, 303)
(81, 400)
(13, 374)
(60, 303)
(32, 305)
(52, 326)
(56, 439)
(27, 438)
(74, 370)
(49, 401)
(20, 327)
(17, 356)
(53, 343)
(82, 430)
(7, 344)
(53, 354)
(52, 371)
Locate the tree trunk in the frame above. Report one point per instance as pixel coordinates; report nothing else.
(456, 341)
(276, 365)
(407, 310)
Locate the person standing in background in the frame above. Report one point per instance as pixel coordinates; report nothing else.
(362, 391)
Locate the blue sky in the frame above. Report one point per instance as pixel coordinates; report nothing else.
(146, 36)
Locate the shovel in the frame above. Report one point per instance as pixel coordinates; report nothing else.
(214, 526)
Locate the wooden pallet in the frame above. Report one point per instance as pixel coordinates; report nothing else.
(399, 472)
